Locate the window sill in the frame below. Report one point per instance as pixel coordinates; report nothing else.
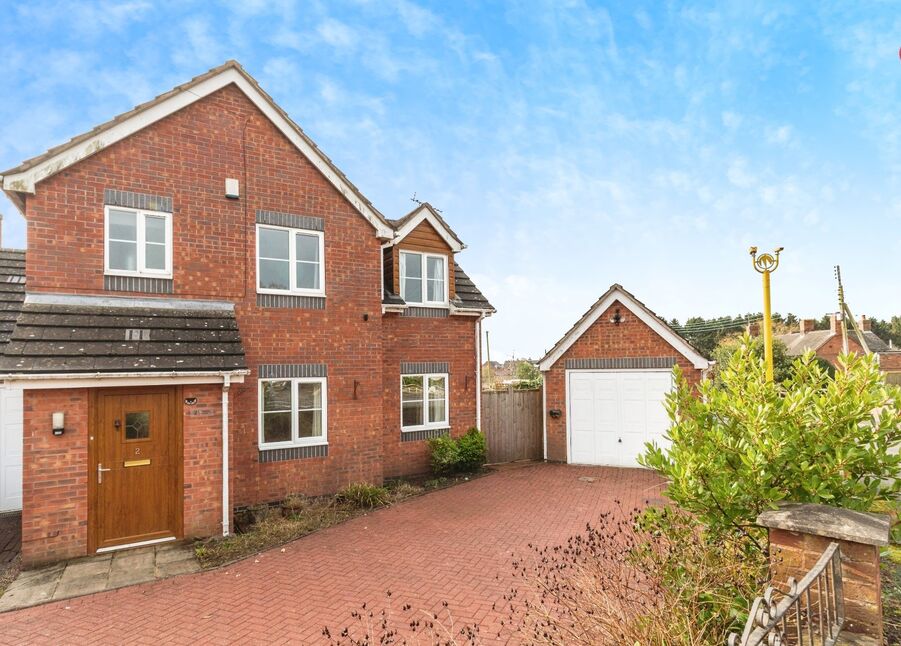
(295, 452)
(424, 434)
(138, 274)
(288, 292)
(431, 427)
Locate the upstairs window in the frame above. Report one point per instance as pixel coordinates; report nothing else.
(290, 261)
(424, 402)
(138, 243)
(423, 278)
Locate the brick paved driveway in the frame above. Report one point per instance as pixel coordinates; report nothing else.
(453, 545)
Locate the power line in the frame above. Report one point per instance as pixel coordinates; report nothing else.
(714, 326)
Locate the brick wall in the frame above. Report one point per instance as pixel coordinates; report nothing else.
(604, 340)
(833, 347)
(202, 439)
(54, 477)
(450, 340)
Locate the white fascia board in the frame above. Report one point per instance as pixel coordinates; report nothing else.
(100, 380)
(426, 215)
(677, 342)
(25, 181)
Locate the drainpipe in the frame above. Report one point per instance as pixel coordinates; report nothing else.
(544, 414)
(226, 509)
(479, 372)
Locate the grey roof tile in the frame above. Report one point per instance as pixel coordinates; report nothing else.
(468, 295)
(60, 338)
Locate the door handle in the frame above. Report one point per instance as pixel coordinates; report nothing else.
(100, 471)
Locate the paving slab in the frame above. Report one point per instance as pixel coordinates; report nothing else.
(89, 575)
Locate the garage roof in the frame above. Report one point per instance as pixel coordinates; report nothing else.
(618, 293)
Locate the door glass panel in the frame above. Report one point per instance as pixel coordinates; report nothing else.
(137, 425)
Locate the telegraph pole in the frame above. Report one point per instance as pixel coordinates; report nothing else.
(766, 264)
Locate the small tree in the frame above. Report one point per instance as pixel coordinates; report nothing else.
(728, 346)
(740, 448)
(528, 375)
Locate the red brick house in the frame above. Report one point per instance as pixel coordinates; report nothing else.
(605, 382)
(216, 317)
(828, 344)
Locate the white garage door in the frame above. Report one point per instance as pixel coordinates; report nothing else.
(612, 414)
(10, 449)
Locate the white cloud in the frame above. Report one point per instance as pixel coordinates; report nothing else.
(780, 135)
(731, 120)
(738, 174)
(337, 34)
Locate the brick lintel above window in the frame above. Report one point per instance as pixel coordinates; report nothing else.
(112, 197)
(292, 370)
(424, 367)
(278, 219)
(621, 363)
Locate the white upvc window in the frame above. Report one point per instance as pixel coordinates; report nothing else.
(290, 261)
(293, 412)
(423, 278)
(424, 402)
(137, 242)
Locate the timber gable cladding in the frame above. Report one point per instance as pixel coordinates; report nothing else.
(178, 165)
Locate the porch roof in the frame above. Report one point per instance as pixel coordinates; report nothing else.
(59, 334)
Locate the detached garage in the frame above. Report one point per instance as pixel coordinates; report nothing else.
(606, 380)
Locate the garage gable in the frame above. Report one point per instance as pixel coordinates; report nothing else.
(618, 296)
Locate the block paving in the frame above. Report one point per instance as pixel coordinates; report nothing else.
(453, 545)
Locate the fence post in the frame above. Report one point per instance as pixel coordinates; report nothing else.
(800, 533)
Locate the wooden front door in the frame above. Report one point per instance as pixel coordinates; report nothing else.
(136, 467)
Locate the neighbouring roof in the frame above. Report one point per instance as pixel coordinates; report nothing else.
(22, 178)
(425, 212)
(468, 296)
(86, 334)
(12, 290)
(797, 343)
(618, 293)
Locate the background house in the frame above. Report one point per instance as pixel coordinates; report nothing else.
(828, 344)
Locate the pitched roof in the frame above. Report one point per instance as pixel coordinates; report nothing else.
(468, 295)
(12, 290)
(24, 177)
(618, 293)
(797, 343)
(84, 334)
(426, 212)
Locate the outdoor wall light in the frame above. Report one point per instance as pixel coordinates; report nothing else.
(617, 317)
(58, 422)
(555, 413)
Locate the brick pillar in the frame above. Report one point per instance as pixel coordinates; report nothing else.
(800, 533)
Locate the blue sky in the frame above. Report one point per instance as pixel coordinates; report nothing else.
(570, 144)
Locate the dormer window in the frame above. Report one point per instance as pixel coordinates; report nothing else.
(138, 242)
(423, 278)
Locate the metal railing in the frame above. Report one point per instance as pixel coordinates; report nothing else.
(810, 613)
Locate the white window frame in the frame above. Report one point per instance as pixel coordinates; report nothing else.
(425, 279)
(292, 261)
(425, 402)
(295, 440)
(141, 215)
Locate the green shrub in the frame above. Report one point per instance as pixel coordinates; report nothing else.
(445, 454)
(465, 454)
(741, 447)
(363, 495)
(473, 450)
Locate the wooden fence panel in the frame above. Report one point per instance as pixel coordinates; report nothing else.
(511, 421)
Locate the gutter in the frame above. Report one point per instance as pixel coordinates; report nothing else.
(120, 375)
